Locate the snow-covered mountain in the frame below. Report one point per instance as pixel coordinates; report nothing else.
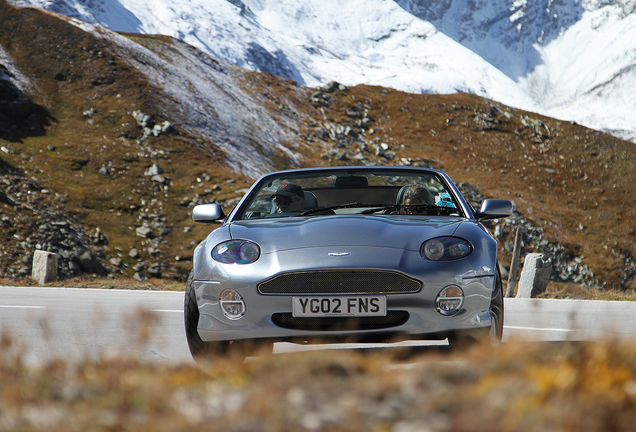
(570, 59)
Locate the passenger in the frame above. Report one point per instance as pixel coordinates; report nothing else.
(416, 194)
(289, 197)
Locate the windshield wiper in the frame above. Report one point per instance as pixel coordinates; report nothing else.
(380, 207)
(332, 208)
(432, 208)
(435, 209)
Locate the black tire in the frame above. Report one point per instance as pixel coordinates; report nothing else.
(191, 317)
(497, 310)
(462, 340)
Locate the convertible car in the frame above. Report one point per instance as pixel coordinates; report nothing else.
(352, 254)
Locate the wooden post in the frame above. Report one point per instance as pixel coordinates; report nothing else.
(513, 276)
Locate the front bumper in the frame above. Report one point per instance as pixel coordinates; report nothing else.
(261, 318)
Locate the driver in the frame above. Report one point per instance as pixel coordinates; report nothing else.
(416, 194)
(289, 197)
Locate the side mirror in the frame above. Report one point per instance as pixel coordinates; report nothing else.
(494, 209)
(208, 213)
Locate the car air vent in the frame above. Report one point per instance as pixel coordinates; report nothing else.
(392, 319)
(340, 282)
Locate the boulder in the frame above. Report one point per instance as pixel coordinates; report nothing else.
(154, 170)
(90, 263)
(145, 232)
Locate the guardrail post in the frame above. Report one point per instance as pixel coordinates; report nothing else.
(44, 267)
(535, 275)
(513, 275)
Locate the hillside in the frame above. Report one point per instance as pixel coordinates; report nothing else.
(108, 140)
(569, 59)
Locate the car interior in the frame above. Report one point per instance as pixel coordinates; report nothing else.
(325, 193)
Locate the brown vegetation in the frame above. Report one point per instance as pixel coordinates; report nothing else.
(565, 386)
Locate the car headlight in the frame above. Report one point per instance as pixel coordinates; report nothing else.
(236, 252)
(445, 249)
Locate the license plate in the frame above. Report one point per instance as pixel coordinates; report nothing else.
(339, 306)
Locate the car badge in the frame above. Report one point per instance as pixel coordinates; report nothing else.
(338, 254)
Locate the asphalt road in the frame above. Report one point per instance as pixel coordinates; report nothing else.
(49, 323)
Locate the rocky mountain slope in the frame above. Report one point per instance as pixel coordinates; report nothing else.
(569, 59)
(107, 140)
(573, 57)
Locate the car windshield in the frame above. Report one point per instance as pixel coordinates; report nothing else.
(328, 193)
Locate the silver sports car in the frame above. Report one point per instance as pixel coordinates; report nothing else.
(360, 254)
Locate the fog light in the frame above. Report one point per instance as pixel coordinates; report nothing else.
(449, 300)
(232, 304)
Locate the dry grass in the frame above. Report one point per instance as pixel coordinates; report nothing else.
(580, 292)
(518, 387)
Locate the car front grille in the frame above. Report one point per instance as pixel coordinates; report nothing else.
(392, 319)
(340, 282)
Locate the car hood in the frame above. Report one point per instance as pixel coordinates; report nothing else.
(373, 231)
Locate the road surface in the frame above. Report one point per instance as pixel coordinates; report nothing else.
(51, 323)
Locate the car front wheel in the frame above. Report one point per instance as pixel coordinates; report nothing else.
(497, 311)
(461, 340)
(191, 317)
(201, 350)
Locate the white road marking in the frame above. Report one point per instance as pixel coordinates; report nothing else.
(540, 329)
(22, 307)
(167, 310)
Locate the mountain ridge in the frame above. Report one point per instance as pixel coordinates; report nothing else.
(564, 58)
